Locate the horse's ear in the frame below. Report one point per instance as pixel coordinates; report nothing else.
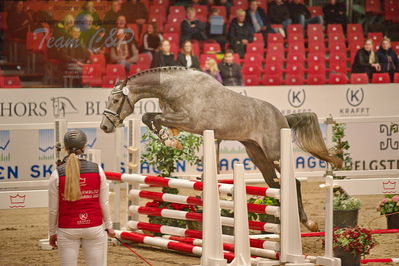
(117, 81)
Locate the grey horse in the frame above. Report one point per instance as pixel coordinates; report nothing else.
(194, 101)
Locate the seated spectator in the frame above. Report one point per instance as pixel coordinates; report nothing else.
(216, 28)
(300, 14)
(151, 39)
(18, 21)
(259, 21)
(41, 19)
(186, 57)
(387, 58)
(87, 9)
(63, 28)
(192, 28)
(366, 61)
(135, 12)
(73, 57)
(124, 52)
(112, 15)
(122, 24)
(211, 68)
(88, 31)
(163, 57)
(230, 71)
(240, 33)
(279, 13)
(335, 13)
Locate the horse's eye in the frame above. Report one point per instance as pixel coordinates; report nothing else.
(116, 101)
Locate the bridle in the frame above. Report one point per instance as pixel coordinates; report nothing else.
(109, 114)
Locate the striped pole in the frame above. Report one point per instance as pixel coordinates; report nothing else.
(373, 232)
(193, 216)
(391, 260)
(190, 233)
(224, 204)
(182, 183)
(270, 254)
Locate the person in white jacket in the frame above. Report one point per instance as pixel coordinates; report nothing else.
(78, 206)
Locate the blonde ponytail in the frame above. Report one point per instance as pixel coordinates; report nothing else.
(72, 179)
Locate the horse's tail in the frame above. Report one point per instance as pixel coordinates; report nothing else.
(309, 138)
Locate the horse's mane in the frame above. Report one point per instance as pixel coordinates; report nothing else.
(160, 69)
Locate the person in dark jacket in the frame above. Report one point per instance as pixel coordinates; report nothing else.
(18, 21)
(366, 61)
(216, 33)
(192, 28)
(151, 39)
(240, 33)
(163, 57)
(112, 15)
(259, 21)
(335, 13)
(279, 13)
(300, 14)
(230, 71)
(186, 57)
(387, 58)
(135, 12)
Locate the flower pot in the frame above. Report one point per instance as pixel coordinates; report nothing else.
(393, 221)
(345, 218)
(348, 258)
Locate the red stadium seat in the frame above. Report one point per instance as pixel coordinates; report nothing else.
(380, 78)
(157, 10)
(268, 80)
(295, 69)
(376, 37)
(161, 2)
(396, 78)
(337, 78)
(337, 47)
(294, 79)
(258, 38)
(316, 58)
(276, 48)
(10, 82)
(315, 29)
(336, 37)
(144, 60)
(338, 66)
(177, 10)
(373, 6)
(317, 69)
(296, 47)
(295, 57)
(295, 38)
(391, 13)
(109, 81)
(359, 78)
(316, 79)
(159, 20)
(172, 37)
(273, 69)
(255, 48)
(316, 10)
(92, 75)
(251, 80)
(317, 47)
(354, 28)
(355, 38)
(212, 48)
(253, 59)
(274, 57)
(175, 18)
(241, 3)
(334, 28)
(172, 28)
(115, 70)
(99, 60)
(395, 47)
(275, 38)
(136, 69)
(251, 70)
(294, 29)
(201, 10)
(36, 42)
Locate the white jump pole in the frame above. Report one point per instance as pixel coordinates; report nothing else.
(133, 164)
(241, 231)
(60, 128)
(118, 136)
(212, 251)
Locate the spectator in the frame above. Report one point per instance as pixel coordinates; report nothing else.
(88, 30)
(230, 71)
(75, 56)
(216, 28)
(259, 21)
(211, 68)
(163, 57)
(135, 12)
(151, 39)
(192, 28)
(197, 2)
(366, 61)
(112, 15)
(122, 24)
(300, 14)
(18, 20)
(279, 13)
(87, 9)
(387, 58)
(63, 28)
(227, 4)
(240, 33)
(335, 13)
(186, 57)
(125, 51)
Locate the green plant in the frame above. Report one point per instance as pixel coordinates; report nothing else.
(389, 205)
(164, 159)
(342, 201)
(356, 240)
(265, 201)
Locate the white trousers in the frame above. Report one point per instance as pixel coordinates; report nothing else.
(93, 241)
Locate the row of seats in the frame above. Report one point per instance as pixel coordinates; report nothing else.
(390, 12)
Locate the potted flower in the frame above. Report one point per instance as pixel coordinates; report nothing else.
(164, 159)
(345, 207)
(349, 244)
(389, 207)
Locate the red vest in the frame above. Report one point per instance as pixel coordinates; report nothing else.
(85, 212)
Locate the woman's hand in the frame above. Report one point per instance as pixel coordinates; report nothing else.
(111, 233)
(53, 240)
(376, 66)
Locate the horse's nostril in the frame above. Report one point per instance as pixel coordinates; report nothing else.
(104, 128)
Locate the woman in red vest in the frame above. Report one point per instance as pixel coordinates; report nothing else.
(78, 206)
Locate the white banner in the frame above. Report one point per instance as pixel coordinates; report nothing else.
(29, 154)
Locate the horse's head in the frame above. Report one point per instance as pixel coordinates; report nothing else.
(119, 106)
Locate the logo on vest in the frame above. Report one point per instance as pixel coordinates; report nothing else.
(83, 218)
(82, 181)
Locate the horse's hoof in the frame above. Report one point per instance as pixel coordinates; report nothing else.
(312, 226)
